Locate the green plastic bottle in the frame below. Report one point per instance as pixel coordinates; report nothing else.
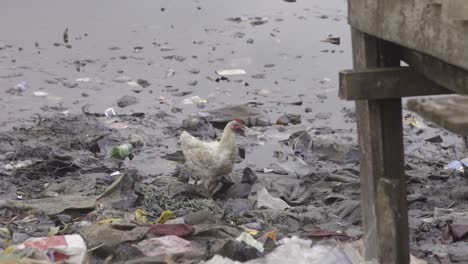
(122, 151)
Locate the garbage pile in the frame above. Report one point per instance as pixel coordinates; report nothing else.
(72, 193)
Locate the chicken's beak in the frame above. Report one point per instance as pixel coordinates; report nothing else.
(239, 128)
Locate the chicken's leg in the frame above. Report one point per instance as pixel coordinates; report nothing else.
(209, 185)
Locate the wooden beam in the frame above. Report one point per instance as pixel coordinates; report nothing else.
(456, 9)
(417, 24)
(438, 71)
(385, 83)
(449, 112)
(383, 185)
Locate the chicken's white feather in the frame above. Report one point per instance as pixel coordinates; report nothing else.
(209, 160)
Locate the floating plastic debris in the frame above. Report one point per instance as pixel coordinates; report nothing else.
(22, 87)
(122, 79)
(115, 173)
(40, 94)
(110, 112)
(458, 165)
(332, 40)
(194, 100)
(231, 72)
(85, 80)
(133, 84)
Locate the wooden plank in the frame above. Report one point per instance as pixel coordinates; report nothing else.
(438, 71)
(456, 9)
(383, 186)
(417, 24)
(385, 83)
(449, 112)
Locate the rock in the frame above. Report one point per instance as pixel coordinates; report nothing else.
(84, 184)
(249, 176)
(238, 190)
(305, 171)
(282, 121)
(175, 57)
(287, 119)
(308, 110)
(70, 84)
(251, 116)
(323, 115)
(182, 93)
(301, 193)
(218, 231)
(239, 251)
(416, 197)
(143, 83)
(199, 127)
(19, 237)
(122, 79)
(4, 233)
(459, 253)
(266, 201)
(458, 232)
(238, 205)
(127, 101)
(284, 221)
(350, 211)
(459, 193)
(64, 218)
(294, 119)
(200, 217)
(194, 71)
(324, 147)
(192, 82)
(259, 76)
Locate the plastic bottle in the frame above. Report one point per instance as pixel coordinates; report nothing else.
(122, 151)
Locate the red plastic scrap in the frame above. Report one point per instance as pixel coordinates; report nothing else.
(180, 230)
(50, 242)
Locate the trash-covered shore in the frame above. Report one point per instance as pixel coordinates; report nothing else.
(91, 165)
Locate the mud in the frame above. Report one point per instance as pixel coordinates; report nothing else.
(155, 63)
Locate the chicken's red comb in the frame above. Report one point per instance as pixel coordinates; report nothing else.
(238, 120)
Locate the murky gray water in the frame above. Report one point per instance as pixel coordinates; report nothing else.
(197, 31)
(286, 63)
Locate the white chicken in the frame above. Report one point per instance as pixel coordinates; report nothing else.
(210, 160)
